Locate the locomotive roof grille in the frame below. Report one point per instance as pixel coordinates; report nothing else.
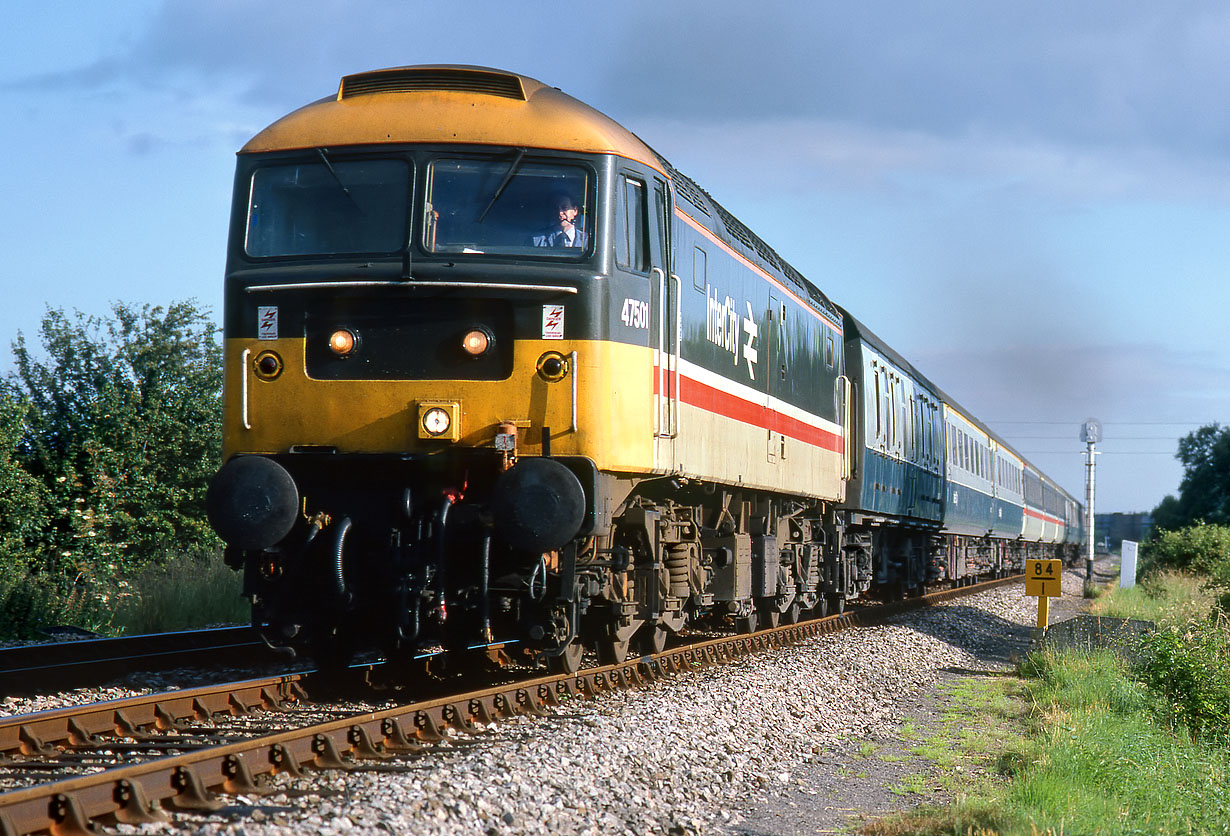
(689, 190)
(734, 226)
(422, 80)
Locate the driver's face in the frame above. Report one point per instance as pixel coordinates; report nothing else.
(568, 215)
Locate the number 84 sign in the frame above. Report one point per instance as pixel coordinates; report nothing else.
(1044, 578)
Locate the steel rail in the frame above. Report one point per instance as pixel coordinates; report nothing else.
(33, 668)
(135, 793)
(34, 734)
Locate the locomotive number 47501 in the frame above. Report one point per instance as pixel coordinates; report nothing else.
(635, 313)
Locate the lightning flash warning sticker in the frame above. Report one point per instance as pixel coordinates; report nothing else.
(552, 322)
(267, 322)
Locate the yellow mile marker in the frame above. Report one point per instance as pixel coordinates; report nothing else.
(1044, 580)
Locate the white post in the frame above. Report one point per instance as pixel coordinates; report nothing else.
(1127, 565)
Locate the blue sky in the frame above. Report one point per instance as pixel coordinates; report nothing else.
(1030, 201)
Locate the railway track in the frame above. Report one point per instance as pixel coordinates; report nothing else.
(189, 749)
(42, 668)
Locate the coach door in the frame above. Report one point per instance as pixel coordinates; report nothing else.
(667, 328)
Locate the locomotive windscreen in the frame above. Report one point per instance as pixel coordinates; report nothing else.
(506, 206)
(328, 207)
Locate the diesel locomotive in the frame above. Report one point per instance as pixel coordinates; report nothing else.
(496, 372)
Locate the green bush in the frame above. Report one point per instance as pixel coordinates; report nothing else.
(31, 603)
(1199, 548)
(23, 498)
(1189, 670)
(110, 429)
(114, 430)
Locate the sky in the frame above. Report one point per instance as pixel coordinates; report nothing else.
(1030, 201)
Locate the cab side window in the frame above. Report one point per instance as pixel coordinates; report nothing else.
(631, 226)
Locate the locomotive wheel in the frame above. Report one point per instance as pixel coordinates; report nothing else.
(612, 651)
(822, 607)
(770, 617)
(746, 623)
(569, 661)
(651, 639)
(792, 613)
(837, 604)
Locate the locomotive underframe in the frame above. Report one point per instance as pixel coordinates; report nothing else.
(388, 550)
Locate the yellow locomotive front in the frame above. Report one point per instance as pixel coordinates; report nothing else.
(440, 364)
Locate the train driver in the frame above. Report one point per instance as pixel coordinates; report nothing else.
(565, 231)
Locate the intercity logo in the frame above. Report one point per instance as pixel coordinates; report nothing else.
(722, 329)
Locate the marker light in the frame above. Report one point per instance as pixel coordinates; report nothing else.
(342, 342)
(436, 421)
(552, 367)
(476, 342)
(268, 365)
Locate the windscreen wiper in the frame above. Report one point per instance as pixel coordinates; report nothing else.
(324, 158)
(508, 176)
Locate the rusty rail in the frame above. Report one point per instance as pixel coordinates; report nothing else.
(135, 793)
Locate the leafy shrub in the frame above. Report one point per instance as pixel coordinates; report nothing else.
(1189, 670)
(119, 422)
(110, 429)
(23, 498)
(1200, 548)
(32, 603)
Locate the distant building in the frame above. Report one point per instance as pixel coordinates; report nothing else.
(1113, 529)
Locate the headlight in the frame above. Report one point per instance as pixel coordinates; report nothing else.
(440, 420)
(436, 421)
(342, 342)
(476, 342)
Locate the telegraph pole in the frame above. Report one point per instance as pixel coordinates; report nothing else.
(1091, 434)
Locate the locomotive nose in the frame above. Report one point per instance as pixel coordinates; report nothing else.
(252, 502)
(538, 505)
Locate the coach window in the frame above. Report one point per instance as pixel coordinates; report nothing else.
(631, 239)
(700, 279)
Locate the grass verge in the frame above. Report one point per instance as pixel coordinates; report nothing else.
(184, 592)
(1082, 743)
(189, 591)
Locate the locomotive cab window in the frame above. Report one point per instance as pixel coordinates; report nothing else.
(507, 206)
(631, 226)
(328, 207)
